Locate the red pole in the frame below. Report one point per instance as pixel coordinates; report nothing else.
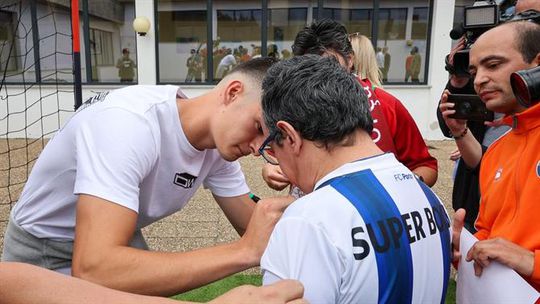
(76, 53)
(75, 25)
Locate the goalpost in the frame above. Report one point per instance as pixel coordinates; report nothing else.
(40, 85)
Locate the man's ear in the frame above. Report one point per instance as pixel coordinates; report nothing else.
(350, 62)
(291, 137)
(232, 90)
(537, 59)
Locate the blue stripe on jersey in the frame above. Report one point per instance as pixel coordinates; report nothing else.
(444, 235)
(374, 204)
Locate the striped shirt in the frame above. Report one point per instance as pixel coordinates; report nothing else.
(369, 233)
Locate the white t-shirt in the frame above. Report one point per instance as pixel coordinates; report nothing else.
(227, 60)
(369, 233)
(126, 146)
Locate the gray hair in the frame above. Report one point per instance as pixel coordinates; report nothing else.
(318, 97)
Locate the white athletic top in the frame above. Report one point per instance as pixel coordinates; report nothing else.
(369, 233)
(126, 146)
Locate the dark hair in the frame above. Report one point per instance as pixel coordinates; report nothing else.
(527, 39)
(318, 97)
(321, 36)
(125, 51)
(255, 68)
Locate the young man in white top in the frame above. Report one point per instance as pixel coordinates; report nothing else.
(368, 231)
(131, 157)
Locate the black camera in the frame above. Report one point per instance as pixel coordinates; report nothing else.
(526, 86)
(477, 19)
(470, 107)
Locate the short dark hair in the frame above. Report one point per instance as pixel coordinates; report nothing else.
(527, 39)
(255, 68)
(321, 36)
(318, 97)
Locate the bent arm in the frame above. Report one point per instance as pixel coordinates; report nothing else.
(238, 210)
(102, 255)
(470, 149)
(429, 175)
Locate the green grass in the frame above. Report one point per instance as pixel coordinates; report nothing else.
(451, 292)
(211, 291)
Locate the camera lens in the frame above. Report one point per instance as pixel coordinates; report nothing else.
(466, 108)
(526, 86)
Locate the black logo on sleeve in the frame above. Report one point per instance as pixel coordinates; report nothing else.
(184, 180)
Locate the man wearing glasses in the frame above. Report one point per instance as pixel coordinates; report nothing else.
(368, 231)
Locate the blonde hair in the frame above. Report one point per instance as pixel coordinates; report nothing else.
(365, 61)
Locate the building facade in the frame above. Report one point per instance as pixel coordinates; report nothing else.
(195, 43)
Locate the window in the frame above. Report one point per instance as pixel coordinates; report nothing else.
(403, 40)
(360, 21)
(112, 47)
(420, 23)
(10, 43)
(392, 23)
(182, 53)
(101, 47)
(238, 35)
(234, 31)
(355, 20)
(283, 25)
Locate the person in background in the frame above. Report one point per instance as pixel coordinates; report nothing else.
(126, 67)
(285, 54)
(365, 62)
(225, 64)
(416, 64)
(387, 60)
(508, 219)
(471, 146)
(380, 59)
(273, 51)
(191, 66)
(394, 129)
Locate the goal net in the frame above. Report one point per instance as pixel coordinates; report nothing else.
(36, 86)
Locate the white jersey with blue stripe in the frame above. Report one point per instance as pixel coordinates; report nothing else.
(369, 233)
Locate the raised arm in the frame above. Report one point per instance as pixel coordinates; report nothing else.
(102, 255)
(470, 149)
(237, 209)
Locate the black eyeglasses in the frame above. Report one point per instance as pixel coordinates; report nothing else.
(266, 151)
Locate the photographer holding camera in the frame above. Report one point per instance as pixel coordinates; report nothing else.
(510, 173)
(472, 137)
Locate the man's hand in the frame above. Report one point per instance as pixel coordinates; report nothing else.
(460, 45)
(503, 251)
(457, 227)
(285, 291)
(455, 155)
(274, 177)
(456, 126)
(267, 212)
(457, 81)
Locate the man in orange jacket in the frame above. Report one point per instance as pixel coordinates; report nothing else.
(508, 220)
